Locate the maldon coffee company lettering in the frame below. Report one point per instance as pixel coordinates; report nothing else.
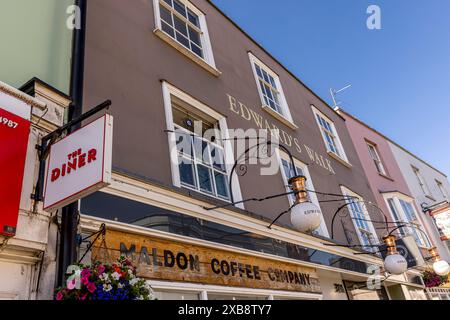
(191, 262)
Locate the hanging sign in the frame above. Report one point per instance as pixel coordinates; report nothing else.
(79, 164)
(442, 218)
(14, 134)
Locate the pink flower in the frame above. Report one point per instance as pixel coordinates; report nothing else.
(59, 296)
(83, 297)
(101, 269)
(91, 287)
(86, 273)
(85, 280)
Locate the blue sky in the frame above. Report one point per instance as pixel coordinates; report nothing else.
(400, 75)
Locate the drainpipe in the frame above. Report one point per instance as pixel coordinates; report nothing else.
(69, 220)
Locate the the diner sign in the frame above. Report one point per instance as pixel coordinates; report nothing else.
(162, 259)
(79, 164)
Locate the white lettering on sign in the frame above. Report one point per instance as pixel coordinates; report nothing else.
(79, 164)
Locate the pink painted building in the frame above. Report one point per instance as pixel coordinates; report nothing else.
(386, 180)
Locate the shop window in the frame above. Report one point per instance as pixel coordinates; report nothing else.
(270, 90)
(183, 25)
(176, 295)
(288, 172)
(329, 135)
(201, 154)
(373, 152)
(404, 214)
(361, 220)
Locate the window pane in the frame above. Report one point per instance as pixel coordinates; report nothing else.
(197, 50)
(218, 158)
(221, 184)
(167, 29)
(183, 142)
(186, 171)
(193, 18)
(183, 40)
(166, 15)
(258, 71)
(179, 7)
(194, 36)
(180, 26)
(204, 176)
(201, 151)
(169, 2)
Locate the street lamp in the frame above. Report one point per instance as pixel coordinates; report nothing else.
(440, 267)
(394, 263)
(305, 216)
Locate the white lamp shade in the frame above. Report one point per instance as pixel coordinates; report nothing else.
(441, 268)
(395, 264)
(306, 217)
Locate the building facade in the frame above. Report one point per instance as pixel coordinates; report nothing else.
(392, 193)
(191, 93)
(430, 189)
(180, 63)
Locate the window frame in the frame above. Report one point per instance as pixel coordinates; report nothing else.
(378, 162)
(281, 155)
(441, 188)
(170, 91)
(403, 216)
(360, 231)
(208, 61)
(285, 114)
(337, 140)
(421, 181)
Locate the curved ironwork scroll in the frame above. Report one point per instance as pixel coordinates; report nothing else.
(243, 167)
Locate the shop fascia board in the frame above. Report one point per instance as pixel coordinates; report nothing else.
(143, 192)
(92, 224)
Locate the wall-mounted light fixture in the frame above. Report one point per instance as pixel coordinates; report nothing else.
(305, 215)
(440, 267)
(394, 263)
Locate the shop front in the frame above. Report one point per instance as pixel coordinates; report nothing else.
(183, 270)
(187, 255)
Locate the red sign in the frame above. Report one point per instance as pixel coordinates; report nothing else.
(14, 134)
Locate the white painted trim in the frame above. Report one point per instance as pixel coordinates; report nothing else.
(168, 91)
(397, 196)
(203, 290)
(347, 192)
(204, 35)
(284, 105)
(336, 134)
(309, 184)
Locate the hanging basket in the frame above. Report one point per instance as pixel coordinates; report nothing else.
(432, 280)
(100, 281)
